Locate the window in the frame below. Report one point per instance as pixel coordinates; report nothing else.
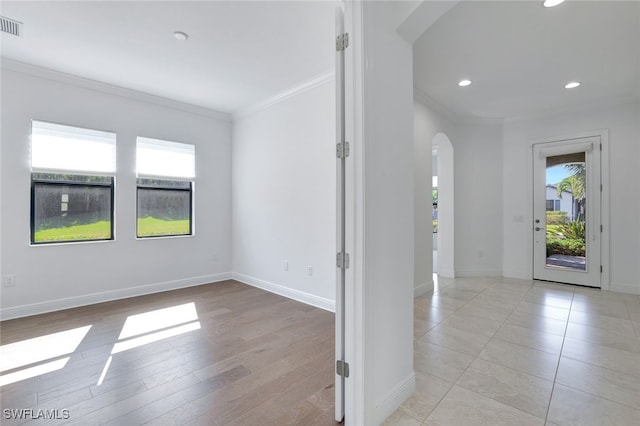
(553, 205)
(165, 188)
(72, 183)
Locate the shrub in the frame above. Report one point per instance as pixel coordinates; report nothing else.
(575, 230)
(557, 218)
(566, 246)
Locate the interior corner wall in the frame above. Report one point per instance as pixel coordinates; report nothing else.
(388, 213)
(284, 205)
(623, 124)
(426, 124)
(477, 158)
(58, 276)
(477, 151)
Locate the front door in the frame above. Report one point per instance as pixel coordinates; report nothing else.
(567, 211)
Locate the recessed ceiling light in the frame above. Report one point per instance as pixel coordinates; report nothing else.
(551, 3)
(464, 83)
(179, 35)
(572, 85)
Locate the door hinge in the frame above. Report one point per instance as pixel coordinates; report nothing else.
(342, 42)
(342, 260)
(342, 368)
(343, 149)
(601, 269)
(601, 228)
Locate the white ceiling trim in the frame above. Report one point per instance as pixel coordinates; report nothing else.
(298, 89)
(423, 17)
(422, 97)
(587, 106)
(74, 80)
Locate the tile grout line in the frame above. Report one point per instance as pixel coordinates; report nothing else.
(492, 337)
(476, 357)
(595, 365)
(458, 379)
(555, 376)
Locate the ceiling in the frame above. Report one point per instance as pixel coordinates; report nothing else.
(238, 52)
(519, 55)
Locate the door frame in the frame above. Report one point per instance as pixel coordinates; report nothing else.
(605, 277)
(354, 291)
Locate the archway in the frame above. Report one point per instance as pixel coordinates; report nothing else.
(443, 149)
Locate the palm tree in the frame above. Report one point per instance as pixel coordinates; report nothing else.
(576, 185)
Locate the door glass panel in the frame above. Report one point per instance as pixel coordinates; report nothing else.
(566, 201)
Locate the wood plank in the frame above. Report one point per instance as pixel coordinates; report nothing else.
(253, 350)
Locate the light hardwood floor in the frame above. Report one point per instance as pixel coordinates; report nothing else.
(243, 357)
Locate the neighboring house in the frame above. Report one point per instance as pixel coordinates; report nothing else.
(563, 203)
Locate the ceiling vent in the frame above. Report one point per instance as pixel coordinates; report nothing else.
(10, 26)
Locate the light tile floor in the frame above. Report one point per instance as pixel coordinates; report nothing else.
(497, 351)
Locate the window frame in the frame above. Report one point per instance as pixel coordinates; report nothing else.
(164, 188)
(44, 174)
(62, 183)
(154, 176)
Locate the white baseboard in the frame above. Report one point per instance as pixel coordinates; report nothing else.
(521, 275)
(300, 296)
(394, 399)
(465, 273)
(422, 289)
(107, 296)
(447, 273)
(625, 288)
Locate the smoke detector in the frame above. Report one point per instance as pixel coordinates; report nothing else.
(10, 26)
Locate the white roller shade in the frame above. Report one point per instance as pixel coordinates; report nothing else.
(164, 159)
(580, 145)
(56, 147)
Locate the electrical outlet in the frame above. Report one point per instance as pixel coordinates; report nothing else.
(285, 265)
(9, 281)
(309, 270)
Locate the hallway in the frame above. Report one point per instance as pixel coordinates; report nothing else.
(492, 351)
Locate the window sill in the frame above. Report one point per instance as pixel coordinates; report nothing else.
(164, 237)
(71, 243)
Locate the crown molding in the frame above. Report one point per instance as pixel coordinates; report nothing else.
(110, 89)
(298, 89)
(428, 101)
(584, 107)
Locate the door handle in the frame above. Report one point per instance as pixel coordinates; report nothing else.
(537, 228)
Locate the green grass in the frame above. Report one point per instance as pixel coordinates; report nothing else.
(92, 231)
(153, 227)
(147, 227)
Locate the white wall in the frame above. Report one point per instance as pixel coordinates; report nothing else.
(623, 124)
(284, 205)
(388, 214)
(59, 276)
(445, 237)
(422, 180)
(477, 164)
(477, 150)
